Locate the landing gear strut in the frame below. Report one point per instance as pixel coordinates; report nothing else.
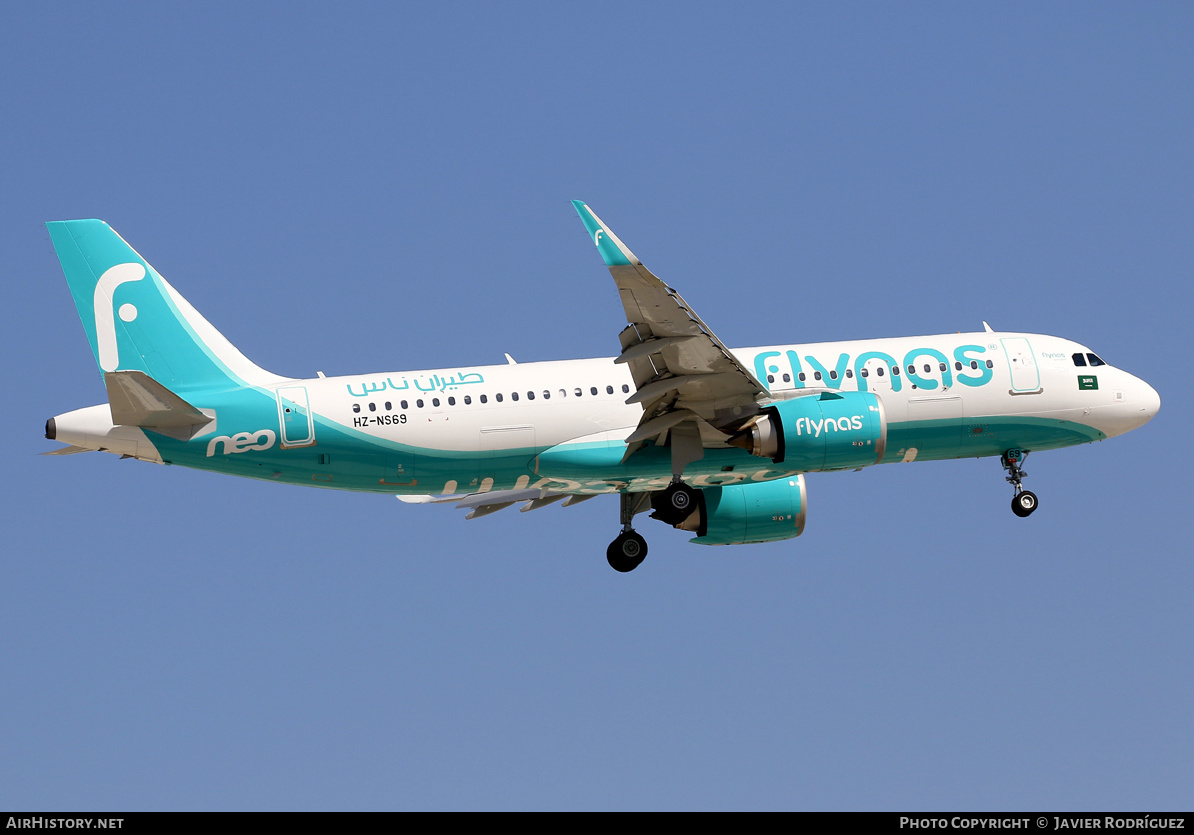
(1024, 501)
(627, 551)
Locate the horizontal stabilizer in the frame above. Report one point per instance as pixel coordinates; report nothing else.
(136, 399)
(440, 499)
(67, 450)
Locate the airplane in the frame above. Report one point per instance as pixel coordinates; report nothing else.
(712, 441)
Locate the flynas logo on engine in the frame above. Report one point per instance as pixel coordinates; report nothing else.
(814, 427)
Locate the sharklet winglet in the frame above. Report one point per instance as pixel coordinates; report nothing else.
(615, 253)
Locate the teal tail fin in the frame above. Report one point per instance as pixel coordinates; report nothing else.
(136, 321)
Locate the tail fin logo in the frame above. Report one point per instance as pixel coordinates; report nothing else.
(105, 308)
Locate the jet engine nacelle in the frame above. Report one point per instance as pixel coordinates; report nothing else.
(736, 514)
(830, 431)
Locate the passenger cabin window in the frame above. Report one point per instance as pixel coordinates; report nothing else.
(957, 366)
(373, 407)
(579, 391)
(404, 406)
(419, 403)
(816, 375)
(895, 371)
(435, 401)
(609, 389)
(849, 373)
(771, 378)
(990, 364)
(801, 376)
(625, 389)
(530, 395)
(485, 398)
(787, 378)
(499, 397)
(356, 407)
(513, 396)
(451, 401)
(389, 406)
(467, 400)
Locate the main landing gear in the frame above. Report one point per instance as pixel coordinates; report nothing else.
(1024, 501)
(629, 550)
(675, 504)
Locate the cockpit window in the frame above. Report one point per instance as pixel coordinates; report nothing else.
(1079, 360)
(1094, 360)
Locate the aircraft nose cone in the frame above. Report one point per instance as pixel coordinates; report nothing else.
(1142, 405)
(1150, 401)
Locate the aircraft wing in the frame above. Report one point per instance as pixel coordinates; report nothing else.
(483, 504)
(687, 380)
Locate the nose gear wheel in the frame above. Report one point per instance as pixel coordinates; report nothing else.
(1024, 502)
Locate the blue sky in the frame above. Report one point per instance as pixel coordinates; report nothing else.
(385, 187)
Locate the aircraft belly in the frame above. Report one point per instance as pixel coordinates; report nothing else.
(651, 466)
(982, 436)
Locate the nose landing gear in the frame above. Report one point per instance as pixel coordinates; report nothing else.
(1024, 502)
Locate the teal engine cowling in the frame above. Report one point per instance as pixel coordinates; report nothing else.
(737, 514)
(831, 431)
